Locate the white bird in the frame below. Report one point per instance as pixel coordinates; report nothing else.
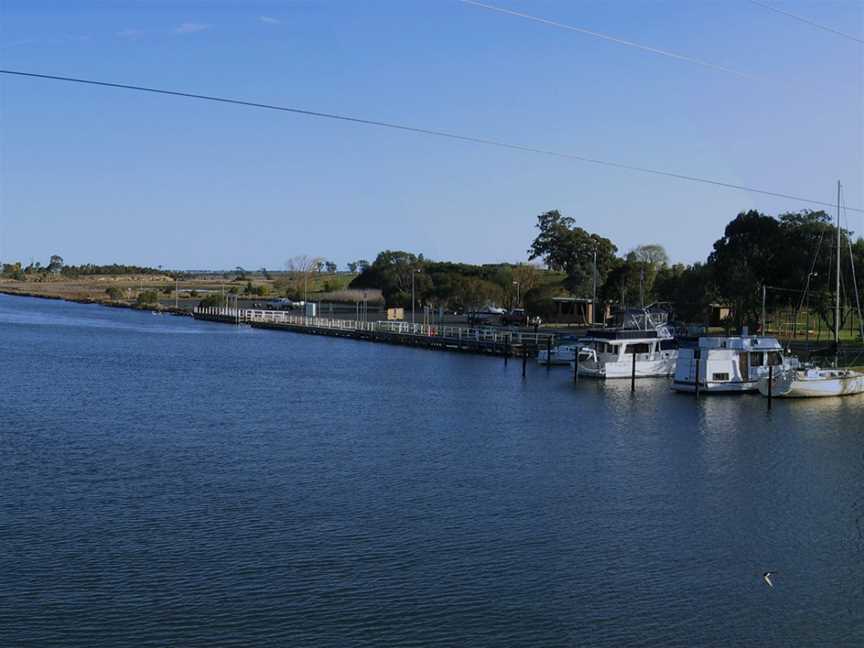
(767, 577)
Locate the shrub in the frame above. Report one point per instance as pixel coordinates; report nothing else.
(148, 297)
(213, 301)
(114, 293)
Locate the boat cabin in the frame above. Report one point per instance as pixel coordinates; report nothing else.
(728, 363)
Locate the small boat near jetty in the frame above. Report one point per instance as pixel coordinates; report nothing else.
(563, 354)
(730, 364)
(813, 383)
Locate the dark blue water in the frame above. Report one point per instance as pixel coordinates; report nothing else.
(165, 482)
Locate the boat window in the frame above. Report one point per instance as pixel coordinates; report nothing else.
(668, 345)
(774, 358)
(639, 347)
(756, 359)
(720, 377)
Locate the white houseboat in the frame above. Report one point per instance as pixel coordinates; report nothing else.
(608, 353)
(729, 364)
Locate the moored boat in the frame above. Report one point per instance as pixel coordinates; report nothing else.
(729, 364)
(609, 353)
(813, 383)
(818, 382)
(563, 354)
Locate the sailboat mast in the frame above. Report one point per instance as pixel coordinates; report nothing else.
(837, 284)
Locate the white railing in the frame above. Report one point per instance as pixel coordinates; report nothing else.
(458, 334)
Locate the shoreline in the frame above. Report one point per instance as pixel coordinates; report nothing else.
(179, 312)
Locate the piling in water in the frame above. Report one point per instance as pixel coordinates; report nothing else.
(696, 380)
(770, 384)
(576, 364)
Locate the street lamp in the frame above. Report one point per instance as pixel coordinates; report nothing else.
(594, 290)
(413, 272)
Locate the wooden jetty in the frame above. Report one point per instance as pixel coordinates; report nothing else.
(486, 340)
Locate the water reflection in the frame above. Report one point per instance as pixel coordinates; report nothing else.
(294, 490)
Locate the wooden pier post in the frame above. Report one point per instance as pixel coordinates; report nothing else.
(696, 354)
(633, 373)
(770, 384)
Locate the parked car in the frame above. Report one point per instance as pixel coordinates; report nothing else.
(515, 317)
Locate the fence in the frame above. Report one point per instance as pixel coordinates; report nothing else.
(486, 335)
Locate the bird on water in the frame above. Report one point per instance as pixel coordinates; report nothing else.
(767, 577)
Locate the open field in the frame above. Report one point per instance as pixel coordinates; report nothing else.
(187, 291)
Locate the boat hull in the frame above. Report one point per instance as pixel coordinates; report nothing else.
(661, 368)
(715, 387)
(822, 385)
(562, 356)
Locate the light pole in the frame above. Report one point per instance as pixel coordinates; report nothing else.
(516, 283)
(413, 272)
(594, 293)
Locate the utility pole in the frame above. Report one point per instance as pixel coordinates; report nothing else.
(642, 287)
(594, 293)
(414, 271)
(764, 323)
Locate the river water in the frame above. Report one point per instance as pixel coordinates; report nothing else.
(166, 482)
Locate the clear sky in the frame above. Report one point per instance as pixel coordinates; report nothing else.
(101, 175)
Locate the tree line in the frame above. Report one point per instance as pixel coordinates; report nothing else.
(783, 254)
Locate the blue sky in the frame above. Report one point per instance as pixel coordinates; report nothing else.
(100, 175)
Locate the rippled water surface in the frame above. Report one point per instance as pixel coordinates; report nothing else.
(165, 482)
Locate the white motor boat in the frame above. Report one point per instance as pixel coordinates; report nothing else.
(609, 353)
(563, 354)
(814, 383)
(729, 364)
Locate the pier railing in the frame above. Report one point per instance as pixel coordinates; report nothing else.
(466, 334)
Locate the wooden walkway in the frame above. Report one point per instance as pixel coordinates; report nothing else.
(485, 340)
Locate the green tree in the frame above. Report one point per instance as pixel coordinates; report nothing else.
(690, 288)
(214, 300)
(392, 273)
(114, 293)
(55, 263)
(744, 260)
(566, 248)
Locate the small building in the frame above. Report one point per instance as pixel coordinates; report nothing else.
(719, 314)
(579, 310)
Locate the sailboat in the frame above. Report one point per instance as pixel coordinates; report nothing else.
(813, 382)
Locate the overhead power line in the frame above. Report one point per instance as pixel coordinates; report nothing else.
(613, 39)
(421, 131)
(812, 23)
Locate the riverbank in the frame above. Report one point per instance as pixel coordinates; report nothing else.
(99, 302)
